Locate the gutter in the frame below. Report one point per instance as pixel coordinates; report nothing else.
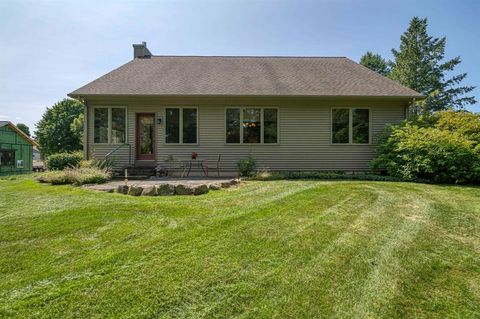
(83, 96)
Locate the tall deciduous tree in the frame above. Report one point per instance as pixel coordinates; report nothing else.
(54, 131)
(24, 128)
(375, 62)
(77, 126)
(419, 64)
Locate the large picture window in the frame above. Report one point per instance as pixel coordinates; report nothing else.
(110, 125)
(181, 125)
(350, 126)
(250, 125)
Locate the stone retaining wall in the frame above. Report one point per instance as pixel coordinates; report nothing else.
(168, 189)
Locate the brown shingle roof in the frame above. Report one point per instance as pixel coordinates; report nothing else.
(270, 76)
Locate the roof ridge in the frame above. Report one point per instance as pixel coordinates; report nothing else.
(249, 56)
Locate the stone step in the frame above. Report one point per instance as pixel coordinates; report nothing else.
(136, 173)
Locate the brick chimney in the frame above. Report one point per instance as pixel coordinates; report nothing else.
(141, 51)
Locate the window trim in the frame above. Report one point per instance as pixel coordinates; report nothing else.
(350, 124)
(180, 126)
(262, 108)
(109, 126)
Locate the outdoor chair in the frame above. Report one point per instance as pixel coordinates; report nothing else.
(212, 165)
(174, 166)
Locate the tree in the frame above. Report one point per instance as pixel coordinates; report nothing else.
(419, 65)
(77, 126)
(376, 63)
(54, 131)
(24, 128)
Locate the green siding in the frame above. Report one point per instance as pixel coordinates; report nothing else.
(9, 139)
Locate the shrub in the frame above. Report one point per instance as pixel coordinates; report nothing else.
(465, 123)
(94, 163)
(263, 175)
(75, 176)
(411, 152)
(54, 177)
(92, 175)
(61, 161)
(293, 175)
(246, 166)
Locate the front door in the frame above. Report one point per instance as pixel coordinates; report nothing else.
(145, 140)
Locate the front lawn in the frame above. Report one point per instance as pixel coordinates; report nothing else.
(298, 249)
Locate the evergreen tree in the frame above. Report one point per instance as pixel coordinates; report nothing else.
(375, 62)
(419, 65)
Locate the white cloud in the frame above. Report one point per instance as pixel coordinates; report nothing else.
(4, 117)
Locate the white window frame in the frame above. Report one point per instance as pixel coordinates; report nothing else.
(350, 124)
(262, 128)
(180, 135)
(109, 130)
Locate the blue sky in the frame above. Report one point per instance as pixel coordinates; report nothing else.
(50, 48)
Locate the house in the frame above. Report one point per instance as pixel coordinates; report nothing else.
(37, 156)
(289, 113)
(16, 154)
(38, 164)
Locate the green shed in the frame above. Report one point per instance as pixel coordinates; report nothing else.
(16, 150)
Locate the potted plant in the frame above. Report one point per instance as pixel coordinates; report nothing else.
(194, 155)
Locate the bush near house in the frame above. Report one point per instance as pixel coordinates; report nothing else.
(106, 164)
(301, 175)
(61, 161)
(443, 148)
(247, 166)
(75, 176)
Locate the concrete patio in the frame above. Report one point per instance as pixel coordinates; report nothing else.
(165, 186)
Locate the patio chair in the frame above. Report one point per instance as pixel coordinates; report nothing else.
(212, 165)
(175, 165)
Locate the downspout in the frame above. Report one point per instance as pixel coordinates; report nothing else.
(410, 108)
(85, 130)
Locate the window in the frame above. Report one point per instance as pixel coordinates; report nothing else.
(270, 124)
(252, 128)
(172, 126)
(189, 126)
(181, 125)
(340, 126)
(110, 125)
(233, 126)
(7, 157)
(101, 125)
(251, 125)
(350, 126)
(119, 120)
(360, 126)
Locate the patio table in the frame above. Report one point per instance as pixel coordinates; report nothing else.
(193, 163)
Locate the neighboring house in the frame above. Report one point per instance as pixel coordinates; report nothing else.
(38, 165)
(37, 156)
(16, 155)
(289, 113)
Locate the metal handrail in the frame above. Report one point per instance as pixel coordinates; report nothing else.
(119, 147)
